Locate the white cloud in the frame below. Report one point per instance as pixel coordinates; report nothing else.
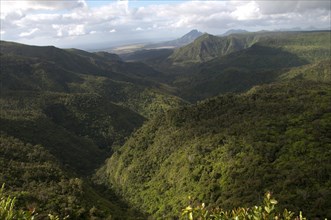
(247, 11)
(76, 30)
(75, 18)
(8, 6)
(288, 6)
(29, 33)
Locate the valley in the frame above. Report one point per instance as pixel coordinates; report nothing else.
(222, 119)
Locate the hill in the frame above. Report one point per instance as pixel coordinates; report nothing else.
(227, 150)
(75, 108)
(40, 183)
(63, 112)
(207, 47)
(265, 61)
(132, 85)
(308, 45)
(156, 55)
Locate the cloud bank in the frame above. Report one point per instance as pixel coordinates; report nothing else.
(66, 22)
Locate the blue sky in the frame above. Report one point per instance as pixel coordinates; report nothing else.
(108, 23)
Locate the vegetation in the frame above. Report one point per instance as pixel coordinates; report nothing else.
(269, 57)
(66, 121)
(37, 180)
(267, 211)
(28, 68)
(259, 121)
(226, 150)
(307, 45)
(8, 211)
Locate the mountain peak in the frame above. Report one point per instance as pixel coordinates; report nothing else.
(192, 35)
(179, 42)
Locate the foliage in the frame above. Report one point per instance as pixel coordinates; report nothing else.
(311, 46)
(267, 211)
(63, 112)
(30, 68)
(319, 71)
(39, 182)
(271, 57)
(8, 211)
(227, 149)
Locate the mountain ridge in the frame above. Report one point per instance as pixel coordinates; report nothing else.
(236, 116)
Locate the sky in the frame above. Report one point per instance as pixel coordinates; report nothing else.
(108, 23)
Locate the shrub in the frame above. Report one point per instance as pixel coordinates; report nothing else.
(267, 211)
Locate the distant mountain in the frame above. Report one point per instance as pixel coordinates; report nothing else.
(212, 64)
(155, 54)
(208, 46)
(82, 62)
(234, 31)
(184, 40)
(126, 50)
(271, 57)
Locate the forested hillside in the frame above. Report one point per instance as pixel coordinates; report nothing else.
(39, 182)
(72, 108)
(222, 120)
(212, 65)
(267, 57)
(308, 45)
(227, 150)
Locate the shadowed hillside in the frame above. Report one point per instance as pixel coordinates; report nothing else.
(92, 136)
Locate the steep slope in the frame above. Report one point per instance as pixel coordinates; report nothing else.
(79, 130)
(208, 47)
(74, 108)
(63, 59)
(133, 85)
(308, 45)
(236, 72)
(40, 183)
(82, 62)
(265, 61)
(229, 150)
(319, 71)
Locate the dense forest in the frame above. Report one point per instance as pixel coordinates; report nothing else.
(227, 150)
(219, 122)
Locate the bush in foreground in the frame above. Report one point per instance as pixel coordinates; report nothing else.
(267, 211)
(9, 212)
